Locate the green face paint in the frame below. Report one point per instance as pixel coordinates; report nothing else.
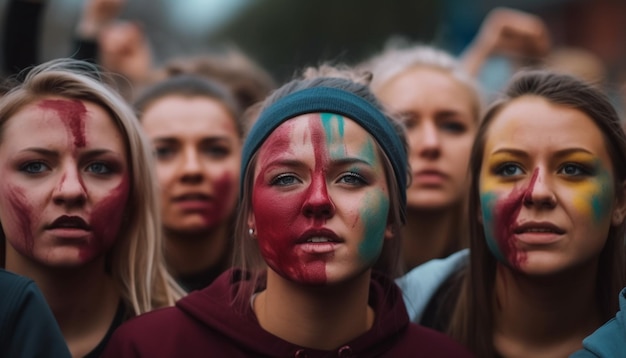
(374, 213)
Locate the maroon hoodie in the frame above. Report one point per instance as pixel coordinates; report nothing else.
(204, 324)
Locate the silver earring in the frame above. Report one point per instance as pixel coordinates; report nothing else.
(251, 232)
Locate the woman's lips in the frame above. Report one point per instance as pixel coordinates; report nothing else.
(318, 241)
(69, 227)
(318, 247)
(193, 202)
(538, 233)
(429, 177)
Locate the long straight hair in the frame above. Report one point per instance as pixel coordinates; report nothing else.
(472, 319)
(136, 258)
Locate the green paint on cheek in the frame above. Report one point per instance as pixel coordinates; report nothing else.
(602, 199)
(333, 125)
(487, 205)
(374, 212)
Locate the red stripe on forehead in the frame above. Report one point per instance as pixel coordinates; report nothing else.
(320, 147)
(278, 142)
(72, 113)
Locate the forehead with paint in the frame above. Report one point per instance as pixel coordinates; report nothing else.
(546, 180)
(326, 135)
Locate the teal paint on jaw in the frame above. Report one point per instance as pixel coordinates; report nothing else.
(327, 122)
(374, 218)
(487, 206)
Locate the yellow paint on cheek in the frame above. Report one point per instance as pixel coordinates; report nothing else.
(594, 195)
(583, 193)
(488, 180)
(594, 198)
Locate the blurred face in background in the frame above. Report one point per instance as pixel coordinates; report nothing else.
(198, 151)
(438, 112)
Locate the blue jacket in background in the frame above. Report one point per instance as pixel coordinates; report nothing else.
(608, 340)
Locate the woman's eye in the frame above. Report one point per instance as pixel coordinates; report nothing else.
(163, 152)
(98, 168)
(285, 180)
(216, 151)
(352, 179)
(574, 170)
(453, 127)
(508, 170)
(410, 123)
(34, 167)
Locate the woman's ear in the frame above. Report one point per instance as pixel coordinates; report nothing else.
(389, 232)
(251, 221)
(619, 211)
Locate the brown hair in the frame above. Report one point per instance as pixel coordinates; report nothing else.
(186, 85)
(248, 82)
(472, 319)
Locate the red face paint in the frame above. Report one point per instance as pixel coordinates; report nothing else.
(72, 113)
(222, 208)
(106, 220)
(279, 216)
(23, 217)
(506, 213)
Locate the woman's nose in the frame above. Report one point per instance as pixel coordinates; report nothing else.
(70, 189)
(318, 203)
(539, 191)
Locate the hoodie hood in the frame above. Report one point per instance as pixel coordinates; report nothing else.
(213, 308)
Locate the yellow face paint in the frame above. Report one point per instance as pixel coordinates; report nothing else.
(593, 192)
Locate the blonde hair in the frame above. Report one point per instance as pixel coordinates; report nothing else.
(396, 59)
(136, 259)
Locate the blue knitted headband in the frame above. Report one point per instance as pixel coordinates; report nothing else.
(330, 100)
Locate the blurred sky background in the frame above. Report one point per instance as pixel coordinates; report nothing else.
(284, 35)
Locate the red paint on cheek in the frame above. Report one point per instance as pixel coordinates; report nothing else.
(23, 219)
(506, 212)
(224, 201)
(279, 215)
(106, 220)
(72, 113)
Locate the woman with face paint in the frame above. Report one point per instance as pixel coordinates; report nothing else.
(440, 106)
(323, 174)
(194, 127)
(546, 263)
(77, 203)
